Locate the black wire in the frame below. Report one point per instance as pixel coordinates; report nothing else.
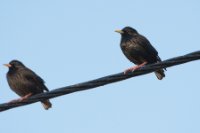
(103, 81)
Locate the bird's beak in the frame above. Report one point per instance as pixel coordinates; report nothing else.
(119, 31)
(7, 65)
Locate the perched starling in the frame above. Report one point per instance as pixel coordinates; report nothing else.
(25, 82)
(138, 50)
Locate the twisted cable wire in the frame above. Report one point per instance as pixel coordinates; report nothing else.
(103, 81)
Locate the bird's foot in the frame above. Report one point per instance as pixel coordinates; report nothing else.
(25, 97)
(134, 68)
(21, 99)
(14, 101)
(131, 69)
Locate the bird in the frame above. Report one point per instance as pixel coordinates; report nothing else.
(138, 49)
(24, 82)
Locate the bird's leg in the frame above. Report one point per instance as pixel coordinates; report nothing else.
(22, 98)
(25, 97)
(134, 68)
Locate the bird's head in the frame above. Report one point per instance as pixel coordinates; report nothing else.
(14, 64)
(127, 31)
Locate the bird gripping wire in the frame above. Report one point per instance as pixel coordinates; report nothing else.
(103, 81)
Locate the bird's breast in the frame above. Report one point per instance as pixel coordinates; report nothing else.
(17, 84)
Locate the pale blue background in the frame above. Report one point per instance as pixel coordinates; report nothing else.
(68, 42)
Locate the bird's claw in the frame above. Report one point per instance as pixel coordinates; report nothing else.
(132, 69)
(21, 99)
(14, 101)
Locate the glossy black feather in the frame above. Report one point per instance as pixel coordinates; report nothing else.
(24, 81)
(137, 48)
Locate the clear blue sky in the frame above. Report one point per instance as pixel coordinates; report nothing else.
(68, 42)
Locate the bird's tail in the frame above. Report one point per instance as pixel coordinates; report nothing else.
(160, 74)
(46, 104)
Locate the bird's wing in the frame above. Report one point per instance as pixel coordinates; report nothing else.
(149, 48)
(34, 79)
(142, 41)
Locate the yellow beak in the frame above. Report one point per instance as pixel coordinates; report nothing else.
(7, 65)
(119, 31)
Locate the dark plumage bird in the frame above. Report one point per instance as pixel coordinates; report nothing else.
(138, 50)
(25, 82)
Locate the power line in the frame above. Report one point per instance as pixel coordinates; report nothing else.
(103, 81)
